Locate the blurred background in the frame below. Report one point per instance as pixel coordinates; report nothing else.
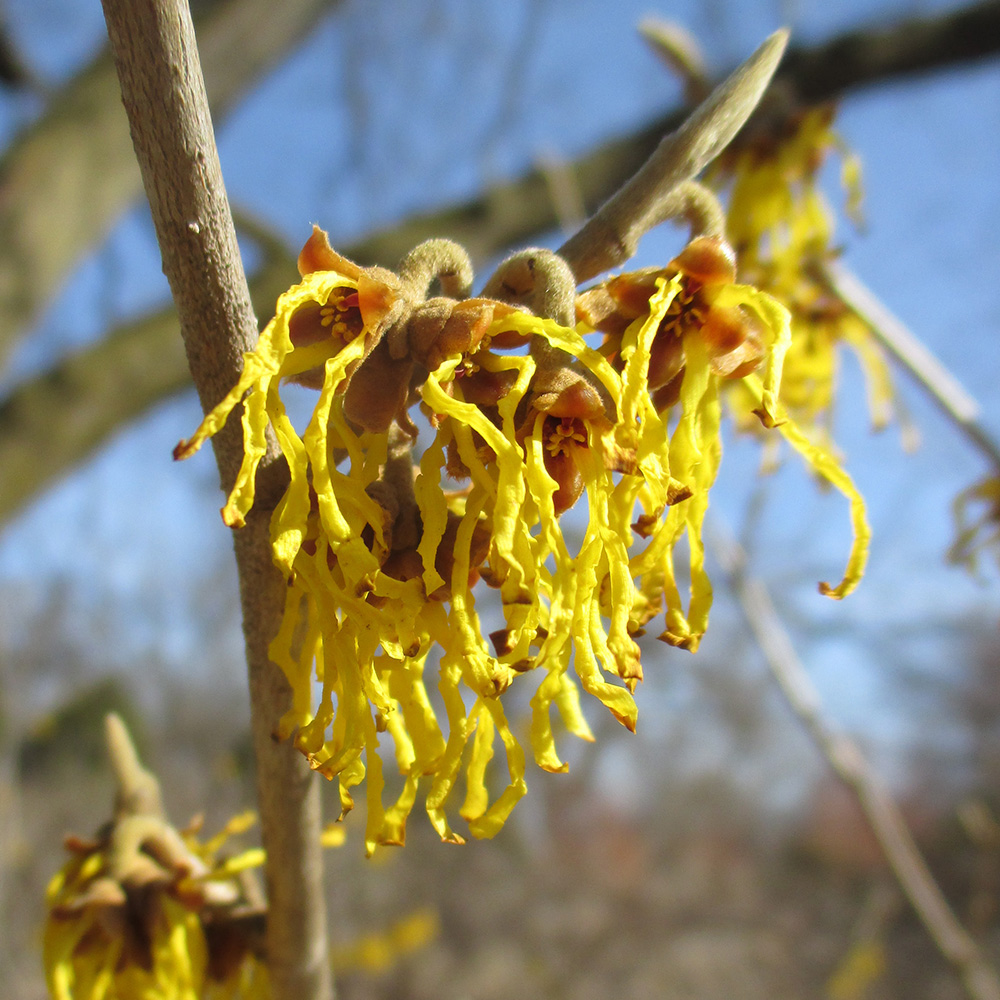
(711, 855)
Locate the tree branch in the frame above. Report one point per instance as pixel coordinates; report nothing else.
(164, 95)
(504, 216)
(875, 55)
(847, 760)
(516, 213)
(931, 375)
(611, 236)
(68, 177)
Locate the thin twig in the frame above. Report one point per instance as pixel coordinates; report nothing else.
(847, 760)
(610, 237)
(939, 383)
(162, 87)
(137, 790)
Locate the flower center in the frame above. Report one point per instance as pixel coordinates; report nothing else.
(341, 314)
(340, 318)
(686, 312)
(565, 434)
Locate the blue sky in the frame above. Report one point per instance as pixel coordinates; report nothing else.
(393, 107)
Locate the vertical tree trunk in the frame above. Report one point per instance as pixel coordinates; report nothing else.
(164, 94)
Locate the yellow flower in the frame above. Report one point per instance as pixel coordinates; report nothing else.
(144, 913)
(700, 330)
(981, 532)
(384, 544)
(782, 228)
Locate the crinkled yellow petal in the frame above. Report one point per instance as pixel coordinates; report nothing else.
(491, 822)
(825, 465)
(777, 321)
(477, 796)
(451, 759)
(416, 717)
(433, 509)
(542, 738)
(567, 340)
(272, 358)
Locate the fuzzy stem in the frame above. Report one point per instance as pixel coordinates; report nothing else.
(443, 260)
(696, 205)
(163, 91)
(611, 236)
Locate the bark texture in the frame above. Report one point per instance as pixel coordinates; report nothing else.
(164, 95)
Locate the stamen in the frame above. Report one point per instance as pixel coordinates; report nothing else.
(570, 432)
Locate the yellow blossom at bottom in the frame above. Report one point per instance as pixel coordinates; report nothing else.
(123, 925)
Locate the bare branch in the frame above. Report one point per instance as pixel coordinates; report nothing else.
(847, 760)
(65, 180)
(932, 376)
(611, 236)
(504, 216)
(874, 55)
(164, 94)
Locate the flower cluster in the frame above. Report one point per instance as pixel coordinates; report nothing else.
(449, 436)
(782, 228)
(980, 531)
(144, 912)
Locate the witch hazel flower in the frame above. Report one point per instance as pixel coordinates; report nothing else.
(493, 492)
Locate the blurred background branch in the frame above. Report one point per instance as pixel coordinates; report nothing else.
(846, 758)
(67, 178)
(57, 222)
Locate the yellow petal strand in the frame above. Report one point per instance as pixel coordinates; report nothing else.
(255, 423)
(825, 465)
(270, 357)
(637, 344)
(288, 522)
(777, 321)
(447, 771)
(566, 340)
(420, 722)
(394, 823)
(433, 509)
(476, 796)
(542, 739)
(568, 703)
(491, 822)
(374, 785)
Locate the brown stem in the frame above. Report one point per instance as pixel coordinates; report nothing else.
(163, 91)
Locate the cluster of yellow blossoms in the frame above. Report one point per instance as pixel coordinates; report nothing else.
(145, 911)
(386, 526)
(782, 228)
